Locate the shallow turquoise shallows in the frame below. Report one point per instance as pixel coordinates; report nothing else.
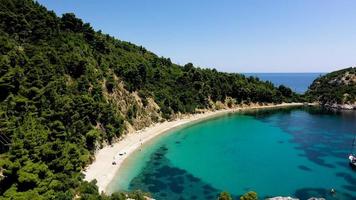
(298, 152)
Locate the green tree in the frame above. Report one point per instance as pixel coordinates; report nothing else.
(287, 92)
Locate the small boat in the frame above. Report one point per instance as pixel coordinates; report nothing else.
(352, 156)
(352, 159)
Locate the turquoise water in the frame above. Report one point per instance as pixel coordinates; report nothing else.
(298, 82)
(290, 152)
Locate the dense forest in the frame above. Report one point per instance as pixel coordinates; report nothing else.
(338, 87)
(60, 89)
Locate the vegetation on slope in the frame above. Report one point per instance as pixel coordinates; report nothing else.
(60, 96)
(338, 87)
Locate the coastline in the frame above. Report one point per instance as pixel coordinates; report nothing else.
(104, 171)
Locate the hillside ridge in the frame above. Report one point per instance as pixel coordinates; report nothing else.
(336, 89)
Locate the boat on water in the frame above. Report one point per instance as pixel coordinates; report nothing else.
(352, 156)
(352, 159)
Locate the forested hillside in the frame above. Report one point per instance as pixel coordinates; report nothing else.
(66, 88)
(337, 88)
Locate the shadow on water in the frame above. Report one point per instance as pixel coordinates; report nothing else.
(165, 181)
(327, 135)
(306, 193)
(325, 138)
(305, 168)
(350, 180)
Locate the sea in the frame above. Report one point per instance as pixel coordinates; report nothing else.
(300, 152)
(298, 82)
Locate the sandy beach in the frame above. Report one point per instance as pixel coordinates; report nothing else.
(104, 171)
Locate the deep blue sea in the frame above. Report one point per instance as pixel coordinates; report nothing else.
(298, 82)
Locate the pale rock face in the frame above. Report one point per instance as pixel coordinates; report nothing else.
(290, 198)
(344, 106)
(282, 198)
(349, 106)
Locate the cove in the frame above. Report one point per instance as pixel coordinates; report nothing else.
(299, 152)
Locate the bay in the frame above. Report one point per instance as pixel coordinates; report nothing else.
(290, 152)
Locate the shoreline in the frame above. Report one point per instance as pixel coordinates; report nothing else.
(104, 171)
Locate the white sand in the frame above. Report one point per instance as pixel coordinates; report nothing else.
(104, 171)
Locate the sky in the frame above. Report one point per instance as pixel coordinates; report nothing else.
(230, 35)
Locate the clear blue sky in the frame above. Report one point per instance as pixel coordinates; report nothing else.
(231, 35)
